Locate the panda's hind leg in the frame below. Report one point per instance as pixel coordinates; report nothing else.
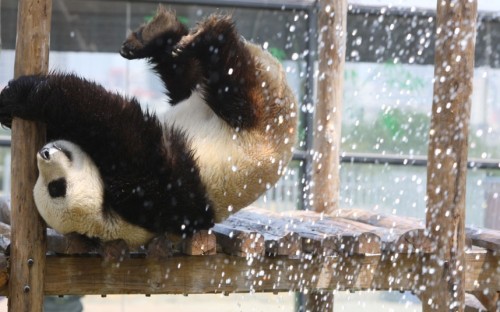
(157, 41)
(230, 75)
(156, 38)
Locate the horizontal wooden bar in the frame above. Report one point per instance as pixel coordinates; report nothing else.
(79, 275)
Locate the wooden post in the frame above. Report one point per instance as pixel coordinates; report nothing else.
(447, 165)
(332, 35)
(332, 18)
(28, 246)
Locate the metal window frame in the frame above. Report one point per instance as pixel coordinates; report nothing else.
(311, 7)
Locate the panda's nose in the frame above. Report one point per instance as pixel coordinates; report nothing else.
(45, 153)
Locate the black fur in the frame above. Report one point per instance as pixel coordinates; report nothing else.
(150, 175)
(150, 183)
(57, 188)
(212, 55)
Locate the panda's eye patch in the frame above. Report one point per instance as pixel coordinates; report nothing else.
(68, 154)
(65, 152)
(57, 188)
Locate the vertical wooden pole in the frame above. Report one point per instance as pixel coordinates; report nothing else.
(447, 165)
(332, 30)
(28, 246)
(332, 19)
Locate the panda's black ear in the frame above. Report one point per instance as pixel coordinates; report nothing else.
(57, 188)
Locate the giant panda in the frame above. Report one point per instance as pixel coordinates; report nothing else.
(115, 172)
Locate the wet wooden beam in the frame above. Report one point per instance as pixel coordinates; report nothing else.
(28, 230)
(447, 156)
(486, 238)
(239, 241)
(222, 273)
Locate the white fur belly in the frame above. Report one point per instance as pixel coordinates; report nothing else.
(213, 141)
(234, 165)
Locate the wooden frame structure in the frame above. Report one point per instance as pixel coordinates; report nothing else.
(352, 250)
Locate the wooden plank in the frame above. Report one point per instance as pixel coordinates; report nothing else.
(321, 234)
(447, 157)
(486, 238)
(408, 234)
(221, 273)
(202, 243)
(239, 242)
(332, 35)
(28, 229)
(402, 224)
(490, 300)
(278, 240)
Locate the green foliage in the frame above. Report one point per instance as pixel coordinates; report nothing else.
(149, 18)
(184, 20)
(278, 53)
(399, 78)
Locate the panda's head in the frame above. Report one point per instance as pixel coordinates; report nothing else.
(69, 189)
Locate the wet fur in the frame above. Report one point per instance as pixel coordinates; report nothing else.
(229, 135)
(83, 192)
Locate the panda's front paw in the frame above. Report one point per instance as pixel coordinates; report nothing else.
(15, 96)
(160, 248)
(156, 37)
(133, 47)
(114, 251)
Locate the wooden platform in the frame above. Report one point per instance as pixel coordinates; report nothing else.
(263, 251)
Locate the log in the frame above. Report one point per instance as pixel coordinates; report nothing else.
(386, 221)
(447, 156)
(80, 275)
(202, 243)
(325, 183)
(489, 239)
(320, 234)
(239, 242)
(332, 36)
(28, 229)
(406, 234)
(278, 240)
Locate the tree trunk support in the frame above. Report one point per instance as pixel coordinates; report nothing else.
(447, 156)
(28, 245)
(332, 29)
